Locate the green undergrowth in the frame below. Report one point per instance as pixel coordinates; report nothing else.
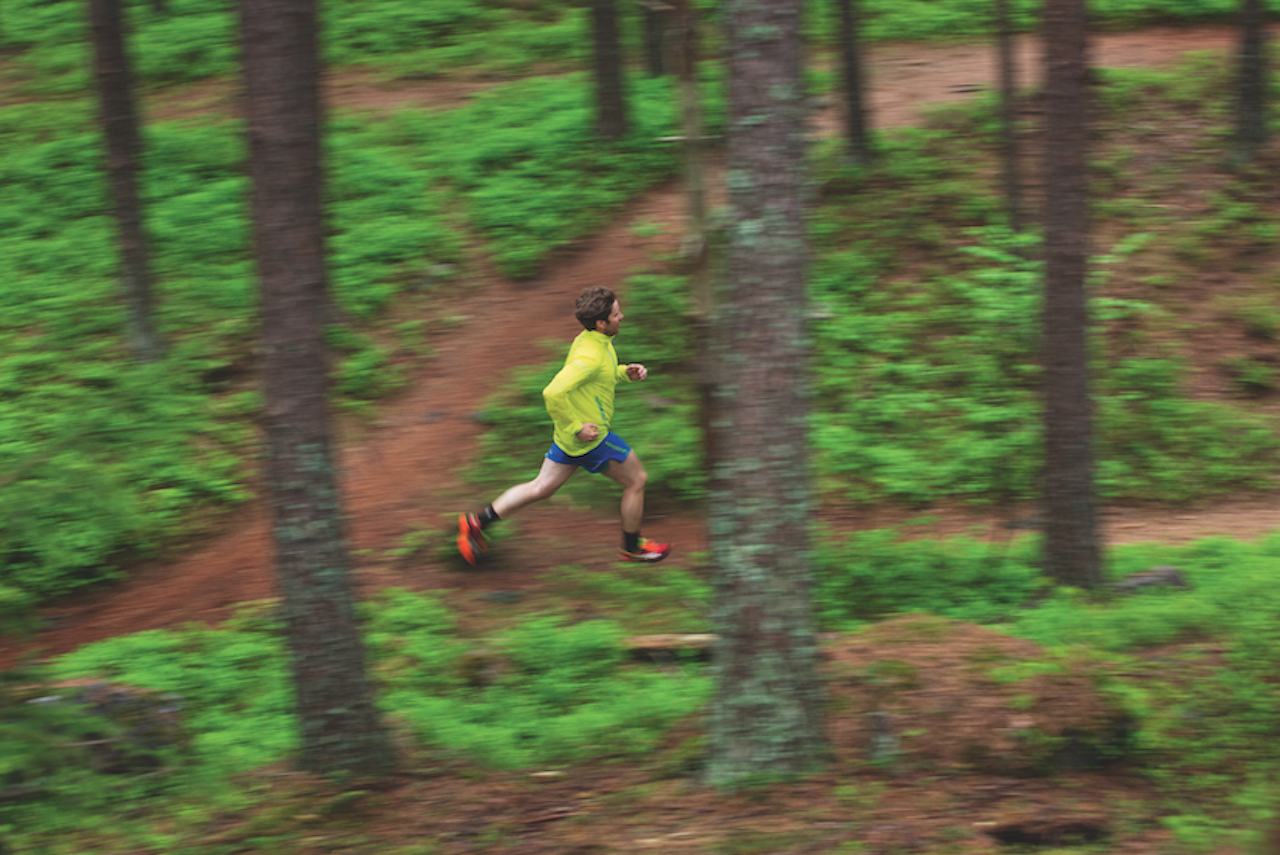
(185, 40)
(1190, 666)
(524, 160)
(927, 325)
(543, 692)
(104, 460)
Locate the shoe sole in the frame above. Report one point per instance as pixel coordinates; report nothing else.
(632, 558)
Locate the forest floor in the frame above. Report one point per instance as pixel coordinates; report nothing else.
(404, 471)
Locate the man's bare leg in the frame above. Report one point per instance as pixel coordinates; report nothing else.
(551, 477)
(631, 475)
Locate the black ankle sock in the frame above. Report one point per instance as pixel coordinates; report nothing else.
(488, 517)
(631, 542)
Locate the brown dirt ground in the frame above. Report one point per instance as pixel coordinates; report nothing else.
(404, 471)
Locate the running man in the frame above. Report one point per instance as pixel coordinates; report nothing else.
(580, 402)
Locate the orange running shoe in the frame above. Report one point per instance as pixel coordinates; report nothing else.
(471, 542)
(650, 550)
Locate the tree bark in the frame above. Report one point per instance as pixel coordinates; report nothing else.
(124, 154)
(1071, 545)
(1252, 97)
(856, 130)
(766, 716)
(1009, 116)
(611, 99)
(340, 728)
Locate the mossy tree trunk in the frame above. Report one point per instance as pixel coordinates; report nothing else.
(1071, 544)
(766, 716)
(611, 97)
(114, 77)
(1009, 115)
(340, 728)
(1252, 97)
(856, 130)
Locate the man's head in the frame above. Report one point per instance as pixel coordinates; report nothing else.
(597, 309)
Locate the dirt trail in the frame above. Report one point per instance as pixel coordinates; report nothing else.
(405, 472)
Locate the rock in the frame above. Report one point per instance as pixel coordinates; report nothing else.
(698, 645)
(1052, 827)
(149, 722)
(1156, 577)
(134, 727)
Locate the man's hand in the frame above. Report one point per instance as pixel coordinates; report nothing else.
(589, 432)
(636, 371)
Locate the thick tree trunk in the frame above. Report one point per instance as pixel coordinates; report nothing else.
(1009, 116)
(766, 717)
(1071, 546)
(855, 102)
(1252, 101)
(611, 99)
(124, 153)
(340, 728)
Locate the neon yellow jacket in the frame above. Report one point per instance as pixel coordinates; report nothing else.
(583, 391)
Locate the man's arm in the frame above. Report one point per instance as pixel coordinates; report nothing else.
(634, 371)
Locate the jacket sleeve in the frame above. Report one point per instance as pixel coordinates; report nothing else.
(574, 373)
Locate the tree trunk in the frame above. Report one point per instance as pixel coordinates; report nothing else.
(691, 120)
(340, 728)
(1009, 115)
(766, 716)
(656, 15)
(1252, 99)
(856, 108)
(1071, 547)
(124, 151)
(611, 100)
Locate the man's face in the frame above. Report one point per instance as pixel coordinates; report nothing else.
(610, 327)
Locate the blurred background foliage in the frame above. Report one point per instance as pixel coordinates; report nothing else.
(925, 335)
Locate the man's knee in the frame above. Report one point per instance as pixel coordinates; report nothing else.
(539, 490)
(636, 476)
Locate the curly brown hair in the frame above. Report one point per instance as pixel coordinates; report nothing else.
(594, 304)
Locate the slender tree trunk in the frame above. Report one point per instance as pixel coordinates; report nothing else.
(124, 154)
(611, 103)
(340, 728)
(766, 716)
(694, 161)
(856, 129)
(656, 16)
(1071, 546)
(1252, 97)
(1009, 115)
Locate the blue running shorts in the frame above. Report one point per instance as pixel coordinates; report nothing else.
(596, 460)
